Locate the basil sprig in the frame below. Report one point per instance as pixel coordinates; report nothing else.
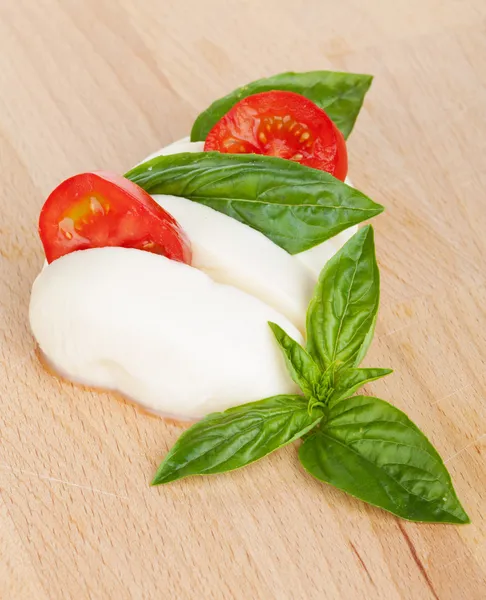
(297, 207)
(339, 94)
(359, 444)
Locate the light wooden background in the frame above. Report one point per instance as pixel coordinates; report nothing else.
(90, 84)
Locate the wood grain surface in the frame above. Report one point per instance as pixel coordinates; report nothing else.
(90, 84)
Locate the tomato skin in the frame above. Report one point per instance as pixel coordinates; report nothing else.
(284, 124)
(98, 209)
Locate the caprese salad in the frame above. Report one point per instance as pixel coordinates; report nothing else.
(224, 279)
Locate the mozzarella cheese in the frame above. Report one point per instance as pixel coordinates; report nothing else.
(160, 332)
(183, 145)
(233, 253)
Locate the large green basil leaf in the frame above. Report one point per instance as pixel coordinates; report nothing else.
(301, 366)
(341, 315)
(295, 206)
(373, 451)
(237, 437)
(341, 95)
(348, 381)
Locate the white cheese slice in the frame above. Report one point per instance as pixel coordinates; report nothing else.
(233, 253)
(183, 145)
(160, 332)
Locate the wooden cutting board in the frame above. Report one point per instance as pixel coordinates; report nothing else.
(100, 84)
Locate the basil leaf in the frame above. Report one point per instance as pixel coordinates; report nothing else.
(349, 380)
(342, 312)
(369, 336)
(237, 437)
(341, 95)
(373, 451)
(302, 368)
(295, 206)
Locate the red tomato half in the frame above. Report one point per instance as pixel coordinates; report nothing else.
(283, 124)
(93, 210)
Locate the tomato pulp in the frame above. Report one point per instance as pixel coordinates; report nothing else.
(93, 210)
(283, 124)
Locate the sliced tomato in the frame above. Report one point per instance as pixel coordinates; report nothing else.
(93, 210)
(283, 124)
